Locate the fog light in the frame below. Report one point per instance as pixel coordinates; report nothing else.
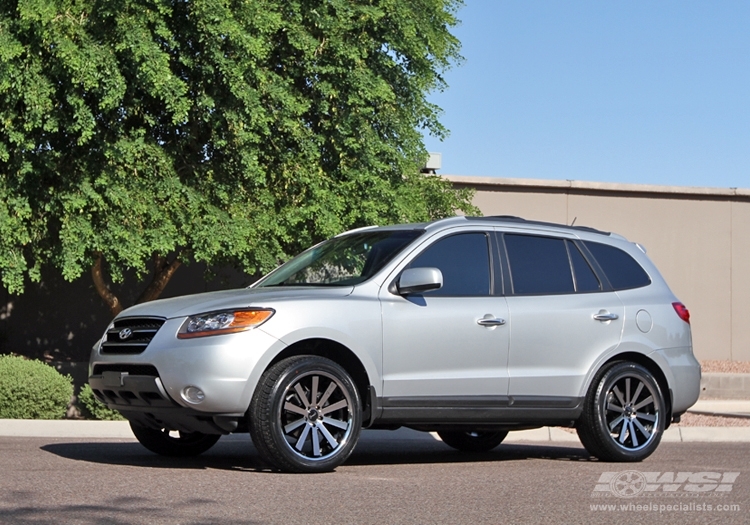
(193, 394)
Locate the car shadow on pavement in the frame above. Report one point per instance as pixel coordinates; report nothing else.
(395, 453)
(225, 455)
(235, 453)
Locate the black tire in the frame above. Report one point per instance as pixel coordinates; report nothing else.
(623, 414)
(185, 444)
(472, 441)
(305, 415)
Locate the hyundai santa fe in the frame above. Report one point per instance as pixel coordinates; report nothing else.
(468, 327)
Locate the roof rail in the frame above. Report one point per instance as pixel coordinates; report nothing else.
(513, 218)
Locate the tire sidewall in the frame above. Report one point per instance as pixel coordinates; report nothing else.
(299, 369)
(608, 379)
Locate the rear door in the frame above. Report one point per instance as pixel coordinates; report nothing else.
(562, 318)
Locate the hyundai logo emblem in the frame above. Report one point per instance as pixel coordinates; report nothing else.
(125, 333)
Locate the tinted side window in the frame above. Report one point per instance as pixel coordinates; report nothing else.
(586, 280)
(621, 269)
(538, 265)
(464, 260)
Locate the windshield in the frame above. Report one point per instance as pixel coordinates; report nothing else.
(347, 260)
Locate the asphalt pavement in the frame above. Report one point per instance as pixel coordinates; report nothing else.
(55, 481)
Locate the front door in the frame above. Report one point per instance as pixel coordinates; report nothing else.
(451, 344)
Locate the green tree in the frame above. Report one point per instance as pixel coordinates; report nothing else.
(222, 131)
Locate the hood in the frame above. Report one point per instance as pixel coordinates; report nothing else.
(241, 298)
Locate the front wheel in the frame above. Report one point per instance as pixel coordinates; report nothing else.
(175, 444)
(623, 414)
(305, 415)
(472, 441)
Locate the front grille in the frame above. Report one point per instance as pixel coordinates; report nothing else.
(133, 370)
(131, 335)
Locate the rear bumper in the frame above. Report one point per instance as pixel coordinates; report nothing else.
(685, 382)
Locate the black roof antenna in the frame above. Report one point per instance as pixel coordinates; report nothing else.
(574, 220)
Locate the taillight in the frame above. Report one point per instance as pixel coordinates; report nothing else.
(682, 311)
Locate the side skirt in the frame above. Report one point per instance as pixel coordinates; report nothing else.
(487, 410)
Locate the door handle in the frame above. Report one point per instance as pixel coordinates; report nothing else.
(490, 320)
(604, 315)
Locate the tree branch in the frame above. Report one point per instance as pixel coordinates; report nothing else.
(163, 272)
(105, 293)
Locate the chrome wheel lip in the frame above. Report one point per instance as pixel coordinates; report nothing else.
(315, 418)
(630, 409)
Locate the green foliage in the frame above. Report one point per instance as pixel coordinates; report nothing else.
(96, 408)
(32, 390)
(224, 131)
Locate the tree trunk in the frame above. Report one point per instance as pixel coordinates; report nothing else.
(163, 272)
(105, 293)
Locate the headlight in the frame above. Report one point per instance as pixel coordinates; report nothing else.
(227, 322)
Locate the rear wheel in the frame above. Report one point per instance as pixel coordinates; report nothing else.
(472, 441)
(305, 415)
(623, 414)
(173, 443)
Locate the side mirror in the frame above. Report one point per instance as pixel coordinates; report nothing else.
(416, 280)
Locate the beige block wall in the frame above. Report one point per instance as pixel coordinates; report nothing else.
(699, 239)
(741, 281)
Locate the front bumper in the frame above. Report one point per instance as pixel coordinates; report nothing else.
(224, 367)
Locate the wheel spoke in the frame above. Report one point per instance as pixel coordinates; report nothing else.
(637, 392)
(627, 390)
(614, 408)
(291, 407)
(616, 422)
(335, 406)
(647, 417)
(633, 436)
(617, 392)
(302, 395)
(643, 429)
(315, 441)
(643, 403)
(323, 430)
(314, 391)
(327, 394)
(302, 438)
(343, 425)
(624, 431)
(291, 427)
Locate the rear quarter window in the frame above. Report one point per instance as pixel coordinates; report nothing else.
(622, 271)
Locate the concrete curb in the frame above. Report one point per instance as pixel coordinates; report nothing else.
(66, 428)
(121, 430)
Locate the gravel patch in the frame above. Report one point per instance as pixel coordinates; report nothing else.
(727, 367)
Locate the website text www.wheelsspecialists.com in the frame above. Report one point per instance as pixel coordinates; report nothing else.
(666, 492)
(666, 507)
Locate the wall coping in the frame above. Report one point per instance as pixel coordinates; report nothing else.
(598, 187)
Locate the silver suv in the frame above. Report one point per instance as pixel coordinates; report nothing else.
(469, 327)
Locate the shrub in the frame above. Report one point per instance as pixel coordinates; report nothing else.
(32, 389)
(95, 408)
